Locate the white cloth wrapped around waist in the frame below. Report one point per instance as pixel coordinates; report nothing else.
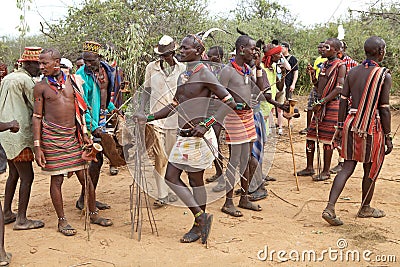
(195, 152)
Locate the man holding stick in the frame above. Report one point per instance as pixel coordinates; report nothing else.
(160, 85)
(365, 131)
(328, 86)
(99, 82)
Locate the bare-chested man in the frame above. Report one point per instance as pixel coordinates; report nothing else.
(365, 131)
(59, 133)
(196, 145)
(239, 125)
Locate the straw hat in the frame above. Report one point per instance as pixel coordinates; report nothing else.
(165, 45)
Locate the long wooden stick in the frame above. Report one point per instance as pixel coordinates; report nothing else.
(294, 162)
(318, 150)
(86, 203)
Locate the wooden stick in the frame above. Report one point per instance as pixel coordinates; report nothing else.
(317, 143)
(318, 200)
(294, 162)
(86, 203)
(284, 200)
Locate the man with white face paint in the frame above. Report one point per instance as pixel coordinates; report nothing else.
(328, 87)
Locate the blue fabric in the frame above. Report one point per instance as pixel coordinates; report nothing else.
(117, 87)
(3, 160)
(261, 130)
(92, 94)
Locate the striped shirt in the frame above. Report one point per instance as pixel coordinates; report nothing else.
(350, 63)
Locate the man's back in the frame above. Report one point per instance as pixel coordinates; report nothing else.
(356, 81)
(16, 96)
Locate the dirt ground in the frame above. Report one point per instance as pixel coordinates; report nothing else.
(290, 221)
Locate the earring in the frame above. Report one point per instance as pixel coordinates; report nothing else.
(197, 54)
(241, 53)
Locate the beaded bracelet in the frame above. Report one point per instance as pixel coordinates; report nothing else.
(227, 98)
(208, 122)
(340, 124)
(240, 106)
(150, 118)
(259, 73)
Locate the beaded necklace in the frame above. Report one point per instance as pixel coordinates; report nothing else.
(244, 71)
(369, 62)
(57, 85)
(327, 65)
(187, 73)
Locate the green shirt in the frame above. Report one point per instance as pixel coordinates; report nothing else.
(16, 103)
(92, 98)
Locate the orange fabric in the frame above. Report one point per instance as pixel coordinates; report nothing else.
(25, 155)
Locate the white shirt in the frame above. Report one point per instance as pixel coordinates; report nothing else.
(163, 89)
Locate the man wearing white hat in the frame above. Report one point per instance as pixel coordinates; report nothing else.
(159, 88)
(66, 66)
(16, 102)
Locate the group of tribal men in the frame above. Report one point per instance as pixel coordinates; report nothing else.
(51, 123)
(350, 112)
(191, 100)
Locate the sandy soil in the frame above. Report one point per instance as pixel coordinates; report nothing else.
(291, 222)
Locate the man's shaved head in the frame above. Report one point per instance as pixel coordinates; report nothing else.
(242, 40)
(55, 54)
(373, 46)
(335, 43)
